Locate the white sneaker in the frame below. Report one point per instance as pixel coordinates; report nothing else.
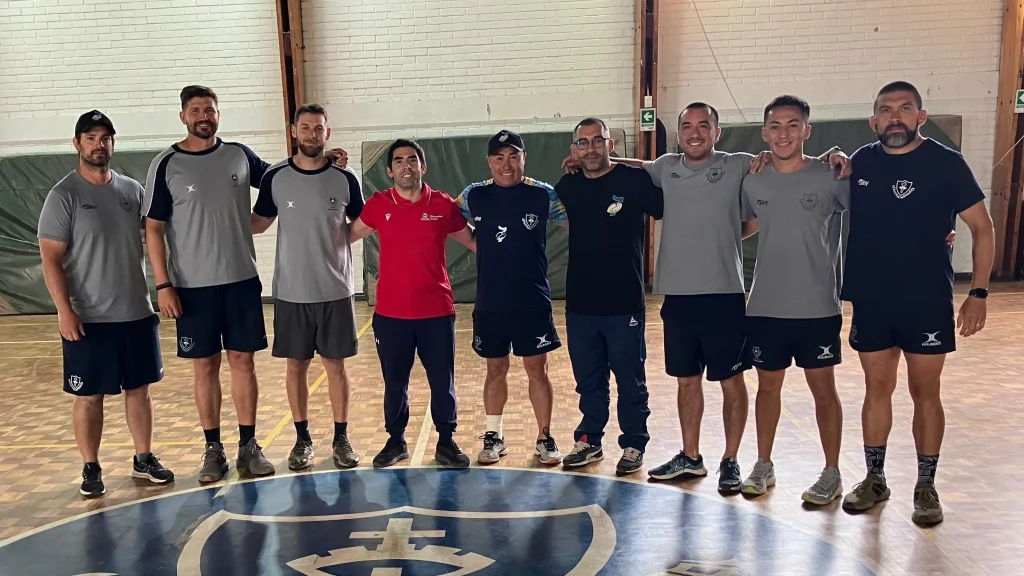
(761, 478)
(547, 451)
(494, 448)
(828, 487)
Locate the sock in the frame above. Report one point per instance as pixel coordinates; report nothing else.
(340, 429)
(444, 436)
(302, 429)
(875, 458)
(212, 435)
(140, 458)
(926, 468)
(246, 433)
(494, 424)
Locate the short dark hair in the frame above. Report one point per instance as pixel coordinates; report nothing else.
(590, 121)
(403, 143)
(309, 109)
(694, 105)
(788, 101)
(899, 86)
(196, 91)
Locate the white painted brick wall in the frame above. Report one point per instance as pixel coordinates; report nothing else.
(418, 68)
(837, 55)
(130, 60)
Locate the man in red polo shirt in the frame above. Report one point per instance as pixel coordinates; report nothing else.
(415, 311)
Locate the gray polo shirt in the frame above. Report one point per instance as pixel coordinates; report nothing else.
(799, 215)
(313, 262)
(701, 249)
(204, 198)
(104, 263)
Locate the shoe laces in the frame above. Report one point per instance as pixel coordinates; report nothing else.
(490, 439)
(760, 471)
(343, 443)
(730, 467)
(631, 454)
(581, 446)
(548, 443)
(869, 482)
(826, 481)
(211, 455)
(927, 497)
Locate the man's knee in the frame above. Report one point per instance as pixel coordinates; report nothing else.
(690, 382)
(536, 368)
(734, 388)
(497, 367)
(241, 361)
(136, 393)
(208, 367)
(92, 402)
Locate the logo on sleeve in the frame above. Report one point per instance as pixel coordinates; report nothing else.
(715, 174)
(502, 230)
(809, 201)
(530, 221)
(902, 189)
(616, 205)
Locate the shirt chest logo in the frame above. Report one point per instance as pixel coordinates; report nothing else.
(332, 203)
(430, 217)
(530, 221)
(126, 204)
(500, 236)
(234, 180)
(902, 188)
(715, 174)
(616, 205)
(809, 201)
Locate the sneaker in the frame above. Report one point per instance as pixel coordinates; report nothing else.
(447, 453)
(547, 451)
(394, 451)
(251, 458)
(828, 487)
(927, 510)
(761, 478)
(582, 454)
(301, 456)
(631, 461)
(494, 448)
(866, 494)
(729, 476)
(679, 465)
(215, 463)
(344, 455)
(92, 481)
(151, 469)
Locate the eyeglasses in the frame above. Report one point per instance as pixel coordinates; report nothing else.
(597, 142)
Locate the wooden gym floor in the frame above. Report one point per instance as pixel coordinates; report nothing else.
(980, 465)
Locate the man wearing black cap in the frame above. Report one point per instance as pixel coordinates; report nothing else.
(513, 304)
(90, 240)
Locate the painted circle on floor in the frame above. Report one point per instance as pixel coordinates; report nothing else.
(427, 522)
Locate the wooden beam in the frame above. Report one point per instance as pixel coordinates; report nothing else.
(291, 47)
(1005, 200)
(646, 83)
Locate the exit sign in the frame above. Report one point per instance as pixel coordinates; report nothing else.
(648, 117)
(1019, 106)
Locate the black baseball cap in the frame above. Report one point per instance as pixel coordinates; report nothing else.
(90, 120)
(505, 138)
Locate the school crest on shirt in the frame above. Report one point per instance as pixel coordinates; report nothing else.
(234, 179)
(332, 203)
(902, 188)
(715, 174)
(126, 204)
(530, 221)
(809, 201)
(616, 205)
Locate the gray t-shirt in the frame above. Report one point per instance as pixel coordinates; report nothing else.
(799, 216)
(701, 249)
(313, 261)
(104, 263)
(204, 198)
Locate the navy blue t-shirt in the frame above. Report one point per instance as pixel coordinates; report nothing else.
(902, 207)
(511, 242)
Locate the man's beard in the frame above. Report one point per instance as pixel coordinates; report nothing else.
(203, 129)
(311, 150)
(898, 138)
(101, 161)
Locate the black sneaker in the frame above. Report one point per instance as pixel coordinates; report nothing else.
(729, 478)
(344, 455)
(394, 451)
(151, 469)
(679, 465)
(450, 455)
(631, 461)
(92, 481)
(582, 454)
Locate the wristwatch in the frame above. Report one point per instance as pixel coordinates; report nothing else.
(979, 293)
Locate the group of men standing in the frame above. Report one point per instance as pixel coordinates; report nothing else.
(898, 275)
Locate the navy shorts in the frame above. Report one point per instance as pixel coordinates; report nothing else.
(226, 316)
(528, 333)
(920, 330)
(774, 343)
(113, 356)
(705, 332)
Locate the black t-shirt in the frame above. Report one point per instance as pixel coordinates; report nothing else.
(902, 207)
(606, 239)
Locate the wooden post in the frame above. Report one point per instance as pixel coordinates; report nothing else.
(293, 71)
(646, 82)
(1006, 198)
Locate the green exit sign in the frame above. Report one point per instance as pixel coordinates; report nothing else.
(1019, 106)
(648, 119)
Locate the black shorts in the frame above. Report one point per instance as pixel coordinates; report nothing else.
(773, 343)
(226, 316)
(923, 330)
(705, 332)
(527, 333)
(113, 356)
(328, 328)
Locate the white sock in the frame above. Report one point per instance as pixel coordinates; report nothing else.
(494, 424)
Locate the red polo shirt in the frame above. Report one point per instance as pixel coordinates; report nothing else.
(413, 273)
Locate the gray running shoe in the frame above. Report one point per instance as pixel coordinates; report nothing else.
(761, 478)
(679, 465)
(494, 448)
(547, 451)
(215, 463)
(251, 458)
(344, 455)
(828, 487)
(582, 454)
(866, 494)
(301, 456)
(927, 510)
(631, 461)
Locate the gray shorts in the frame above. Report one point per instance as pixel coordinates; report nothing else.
(327, 328)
